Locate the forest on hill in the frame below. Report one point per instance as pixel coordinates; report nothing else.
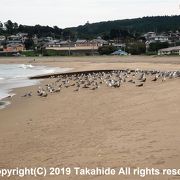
(107, 30)
(125, 27)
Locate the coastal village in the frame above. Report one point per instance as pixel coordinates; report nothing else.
(16, 44)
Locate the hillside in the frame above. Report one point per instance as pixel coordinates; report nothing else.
(138, 26)
(109, 29)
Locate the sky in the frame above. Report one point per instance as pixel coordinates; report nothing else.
(70, 13)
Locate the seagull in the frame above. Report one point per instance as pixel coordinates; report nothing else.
(44, 94)
(140, 85)
(131, 81)
(57, 90)
(143, 80)
(155, 78)
(27, 94)
(30, 94)
(93, 80)
(164, 79)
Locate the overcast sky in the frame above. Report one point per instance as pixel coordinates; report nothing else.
(68, 13)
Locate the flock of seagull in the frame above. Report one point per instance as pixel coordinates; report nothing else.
(94, 80)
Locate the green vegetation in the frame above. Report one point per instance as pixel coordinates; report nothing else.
(51, 52)
(29, 43)
(151, 53)
(128, 32)
(108, 30)
(136, 48)
(31, 53)
(128, 27)
(106, 50)
(154, 47)
(44, 52)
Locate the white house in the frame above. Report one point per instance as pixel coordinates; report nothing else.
(168, 51)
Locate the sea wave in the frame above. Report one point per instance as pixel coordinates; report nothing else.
(25, 66)
(17, 75)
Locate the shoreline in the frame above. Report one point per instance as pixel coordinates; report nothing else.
(87, 64)
(13, 81)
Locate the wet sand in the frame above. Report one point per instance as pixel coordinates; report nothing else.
(126, 127)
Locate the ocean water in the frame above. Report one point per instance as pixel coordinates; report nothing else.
(16, 75)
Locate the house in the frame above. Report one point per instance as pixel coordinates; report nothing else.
(99, 42)
(44, 39)
(1, 48)
(152, 37)
(35, 39)
(2, 38)
(82, 43)
(22, 34)
(47, 39)
(14, 47)
(149, 35)
(54, 43)
(67, 43)
(173, 37)
(14, 39)
(60, 45)
(161, 38)
(168, 51)
(119, 46)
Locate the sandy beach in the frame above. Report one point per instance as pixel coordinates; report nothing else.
(125, 127)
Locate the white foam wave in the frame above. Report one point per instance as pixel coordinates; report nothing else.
(17, 75)
(25, 66)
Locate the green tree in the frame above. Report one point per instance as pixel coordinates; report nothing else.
(9, 26)
(29, 43)
(106, 50)
(154, 47)
(1, 28)
(136, 48)
(1, 25)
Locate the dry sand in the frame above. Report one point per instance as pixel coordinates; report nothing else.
(130, 126)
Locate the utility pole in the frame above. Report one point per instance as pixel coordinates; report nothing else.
(69, 46)
(92, 48)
